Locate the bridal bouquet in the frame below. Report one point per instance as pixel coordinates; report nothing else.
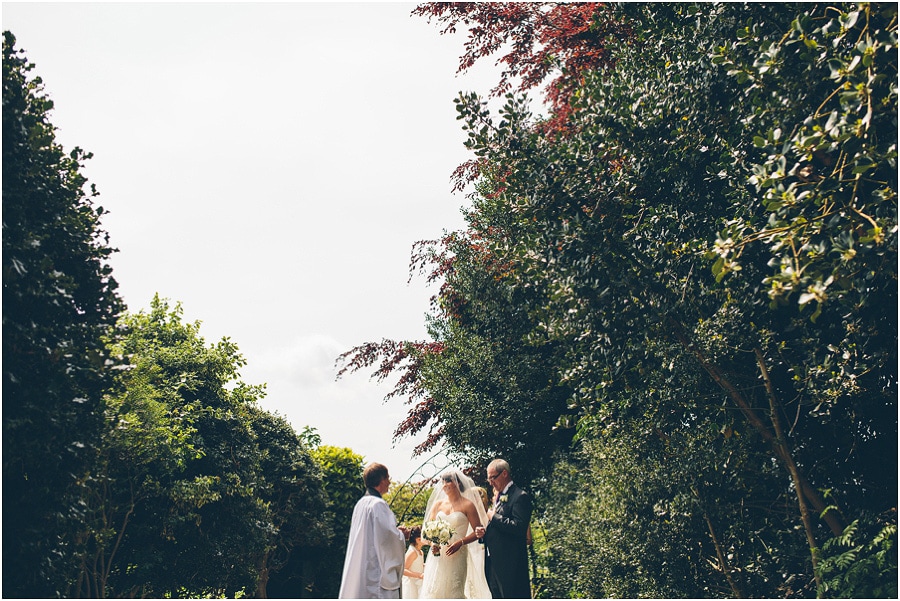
(438, 531)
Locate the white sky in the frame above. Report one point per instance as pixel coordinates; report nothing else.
(270, 166)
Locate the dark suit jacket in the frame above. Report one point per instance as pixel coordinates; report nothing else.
(506, 563)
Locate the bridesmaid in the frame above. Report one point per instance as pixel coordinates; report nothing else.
(413, 566)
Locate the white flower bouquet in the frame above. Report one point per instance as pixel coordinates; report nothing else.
(438, 531)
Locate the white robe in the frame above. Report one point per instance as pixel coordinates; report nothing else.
(373, 566)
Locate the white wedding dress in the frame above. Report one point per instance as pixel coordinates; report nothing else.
(461, 575)
(445, 575)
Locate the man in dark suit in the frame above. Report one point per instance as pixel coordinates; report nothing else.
(504, 537)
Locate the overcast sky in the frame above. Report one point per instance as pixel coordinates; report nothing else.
(269, 166)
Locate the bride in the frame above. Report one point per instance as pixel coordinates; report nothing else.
(456, 570)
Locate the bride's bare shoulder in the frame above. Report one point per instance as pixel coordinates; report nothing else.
(467, 505)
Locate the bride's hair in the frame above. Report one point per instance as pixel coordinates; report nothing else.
(454, 477)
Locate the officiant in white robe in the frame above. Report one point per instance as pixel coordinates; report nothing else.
(373, 567)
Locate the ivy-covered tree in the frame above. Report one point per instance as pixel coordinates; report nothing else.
(59, 300)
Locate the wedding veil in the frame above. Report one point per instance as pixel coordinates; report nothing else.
(476, 583)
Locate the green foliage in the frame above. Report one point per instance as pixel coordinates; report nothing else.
(505, 382)
(134, 462)
(342, 474)
(827, 174)
(647, 513)
(858, 565)
(59, 300)
(408, 501)
(342, 478)
(189, 501)
(310, 437)
(291, 488)
(732, 151)
(197, 490)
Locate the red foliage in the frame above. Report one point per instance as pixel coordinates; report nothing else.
(436, 259)
(418, 417)
(404, 358)
(542, 37)
(467, 172)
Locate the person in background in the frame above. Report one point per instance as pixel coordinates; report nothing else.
(413, 566)
(373, 566)
(484, 498)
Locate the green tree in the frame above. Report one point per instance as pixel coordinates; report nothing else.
(491, 364)
(342, 471)
(59, 300)
(615, 219)
(198, 491)
(704, 257)
(145, 447)
(293, 492)
(484, 361)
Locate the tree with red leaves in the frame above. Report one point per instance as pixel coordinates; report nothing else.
(541, 37)
(647, 274)
(482, 388)
(405, 358)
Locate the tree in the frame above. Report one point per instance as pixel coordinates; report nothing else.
(197, 490)
(541, 38)
(59, 301)
(145, 447)
(295, 499)
(616, 216)
(484, 360)
(204, 528)
(342, 471)
(680, 257)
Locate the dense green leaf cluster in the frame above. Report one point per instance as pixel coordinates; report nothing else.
(698, 275)
(59, 299)
(342, 471)
(854, 568)
(196, 490)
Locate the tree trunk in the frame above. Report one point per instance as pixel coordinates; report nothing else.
(723, 563)
(262, 580)
(792, 467)
(802, 485)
